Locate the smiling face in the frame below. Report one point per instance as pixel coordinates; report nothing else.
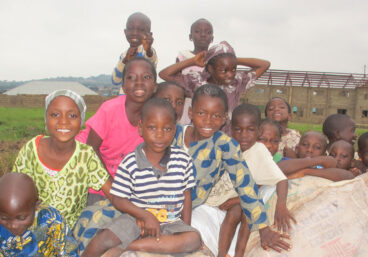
(157, 128)
(269, 135)
(312, 144)
(63, 119)
(223, 71)
(343, 152)
(208, 115)
(175, 96)
(201, 34)
(139, 82)
(136, 28)
(278, 110)
(244, 129)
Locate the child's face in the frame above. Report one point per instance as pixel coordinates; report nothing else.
(208, 115)
(363, 154)
(343, 156)
(201, 34)
(278, 110)
(224, 70)
(139, 83)
(244, 129)
(17, 216)
(310, 145)
(348, 133)
(157, 129)
(269, 135)
(175, 96)
(63, 119)
(136, 28)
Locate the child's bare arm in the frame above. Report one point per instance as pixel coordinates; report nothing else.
(168, 74)
(334, 174)
(294, 165)
(186, 214)
(151, 226)
(95, 141)
(282, 214)
(258, 65)
(106, 188)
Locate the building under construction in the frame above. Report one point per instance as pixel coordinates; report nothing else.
(314, 95)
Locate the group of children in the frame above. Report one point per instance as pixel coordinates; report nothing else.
(138, 154)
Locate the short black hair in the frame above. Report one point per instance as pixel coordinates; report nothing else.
(248, 109)
(164, 85)
(211, 90)
(276, 124)
(199, 20)
(345, 145)
(141, 15)
(137, 59)
(213, 60)
(153, 103)
(282, 99)
(333, 124)
(362, 141)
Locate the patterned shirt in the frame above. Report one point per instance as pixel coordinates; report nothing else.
(66, 191)
(211, 158)
(163, 196)
(48, 236)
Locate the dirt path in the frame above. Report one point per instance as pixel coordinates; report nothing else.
(8, 153)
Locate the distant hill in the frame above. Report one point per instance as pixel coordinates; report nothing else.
(93, 82)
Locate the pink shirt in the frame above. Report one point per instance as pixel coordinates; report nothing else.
(118, 136)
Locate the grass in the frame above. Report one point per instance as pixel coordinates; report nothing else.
(18, 125)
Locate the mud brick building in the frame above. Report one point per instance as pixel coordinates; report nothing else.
(314, 95)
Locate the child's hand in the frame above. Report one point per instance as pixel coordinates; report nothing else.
(151, 226)
(288, 152)
(274, 240)
(147, 41)
(131, 53)
(282, 218)
(328, 162)
(199, 59)
(229, 203)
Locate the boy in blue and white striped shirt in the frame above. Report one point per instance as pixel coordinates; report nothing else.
(152, 189)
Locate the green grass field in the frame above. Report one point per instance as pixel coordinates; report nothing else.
(17, 125)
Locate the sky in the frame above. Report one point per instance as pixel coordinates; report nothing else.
(48, 38)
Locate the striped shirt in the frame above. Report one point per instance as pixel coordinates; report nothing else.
(163, 196)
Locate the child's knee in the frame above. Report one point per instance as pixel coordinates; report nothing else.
(106, 239)
(193, 242)
(234, 214)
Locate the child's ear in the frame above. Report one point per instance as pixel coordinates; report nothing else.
(140, 128)
(190, 113)
(190, 37)
(210, 69)
(38, 202)
(154, 88)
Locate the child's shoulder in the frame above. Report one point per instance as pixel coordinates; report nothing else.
(113, 102)
(177, 152)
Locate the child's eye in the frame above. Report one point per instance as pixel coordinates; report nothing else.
(180, 102)
(131, 77)
(217, 116)
(73, 116)
(200, 113)
(3, 218)
(22, 218)
(147, 77)
(168, 129)
(54, 114)
(275, 141)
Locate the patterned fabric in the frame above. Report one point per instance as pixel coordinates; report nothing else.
(47, 237)
(220, 48)
(211, 158)
(163, 196)
(67, 191)
(91, 220)
(243, 81)
(291, 140)
(108, 122)
(117, 74)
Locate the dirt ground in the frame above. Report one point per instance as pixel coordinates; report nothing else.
(8, 153)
